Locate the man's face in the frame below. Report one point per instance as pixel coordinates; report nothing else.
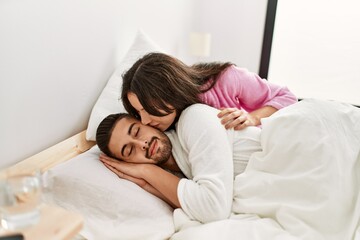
(134, 142)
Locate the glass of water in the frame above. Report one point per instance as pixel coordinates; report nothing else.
(20, 197)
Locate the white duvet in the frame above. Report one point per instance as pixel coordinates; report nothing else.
(303, 185)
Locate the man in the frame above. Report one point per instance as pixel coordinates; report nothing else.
(201, 148)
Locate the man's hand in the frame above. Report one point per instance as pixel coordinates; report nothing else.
(124, 170)
(135, 172)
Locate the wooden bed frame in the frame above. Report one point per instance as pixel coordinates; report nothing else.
(52, 156)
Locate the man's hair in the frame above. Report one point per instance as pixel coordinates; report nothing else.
(159, 79)
(105, 129)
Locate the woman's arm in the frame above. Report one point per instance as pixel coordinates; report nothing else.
(254, 92)
(245, 98)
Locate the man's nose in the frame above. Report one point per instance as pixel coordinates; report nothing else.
(143, 144)
(145, 118)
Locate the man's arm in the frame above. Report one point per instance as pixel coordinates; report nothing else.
(163, 181)
(151, 178)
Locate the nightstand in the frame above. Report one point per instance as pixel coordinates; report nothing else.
(55, 224)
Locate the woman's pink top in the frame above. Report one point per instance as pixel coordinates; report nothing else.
(237, 87)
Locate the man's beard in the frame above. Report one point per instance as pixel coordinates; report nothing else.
(165, 150)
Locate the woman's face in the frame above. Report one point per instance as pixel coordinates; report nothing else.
(161, 123)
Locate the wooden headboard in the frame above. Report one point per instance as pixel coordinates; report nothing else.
(54, 155)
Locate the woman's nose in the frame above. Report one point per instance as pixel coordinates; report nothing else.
(145, 118)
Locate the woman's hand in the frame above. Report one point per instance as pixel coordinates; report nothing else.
(237, 119)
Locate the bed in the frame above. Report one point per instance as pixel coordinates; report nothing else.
(303, 185)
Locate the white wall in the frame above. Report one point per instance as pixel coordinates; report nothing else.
(236, 27)
(56, 56)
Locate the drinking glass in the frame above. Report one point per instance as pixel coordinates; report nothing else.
(20, 197)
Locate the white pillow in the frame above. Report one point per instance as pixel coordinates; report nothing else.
(112, 208)
(109, 100)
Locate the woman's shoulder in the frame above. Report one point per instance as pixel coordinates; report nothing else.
(234, 71)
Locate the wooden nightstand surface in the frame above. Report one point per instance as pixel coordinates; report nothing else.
(55, 223)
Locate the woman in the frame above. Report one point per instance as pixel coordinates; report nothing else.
(158, 87)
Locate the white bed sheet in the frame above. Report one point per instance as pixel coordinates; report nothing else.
(303, 185)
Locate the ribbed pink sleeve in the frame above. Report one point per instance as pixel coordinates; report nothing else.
(237, 87)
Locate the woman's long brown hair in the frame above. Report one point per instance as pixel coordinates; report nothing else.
(159, 80)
